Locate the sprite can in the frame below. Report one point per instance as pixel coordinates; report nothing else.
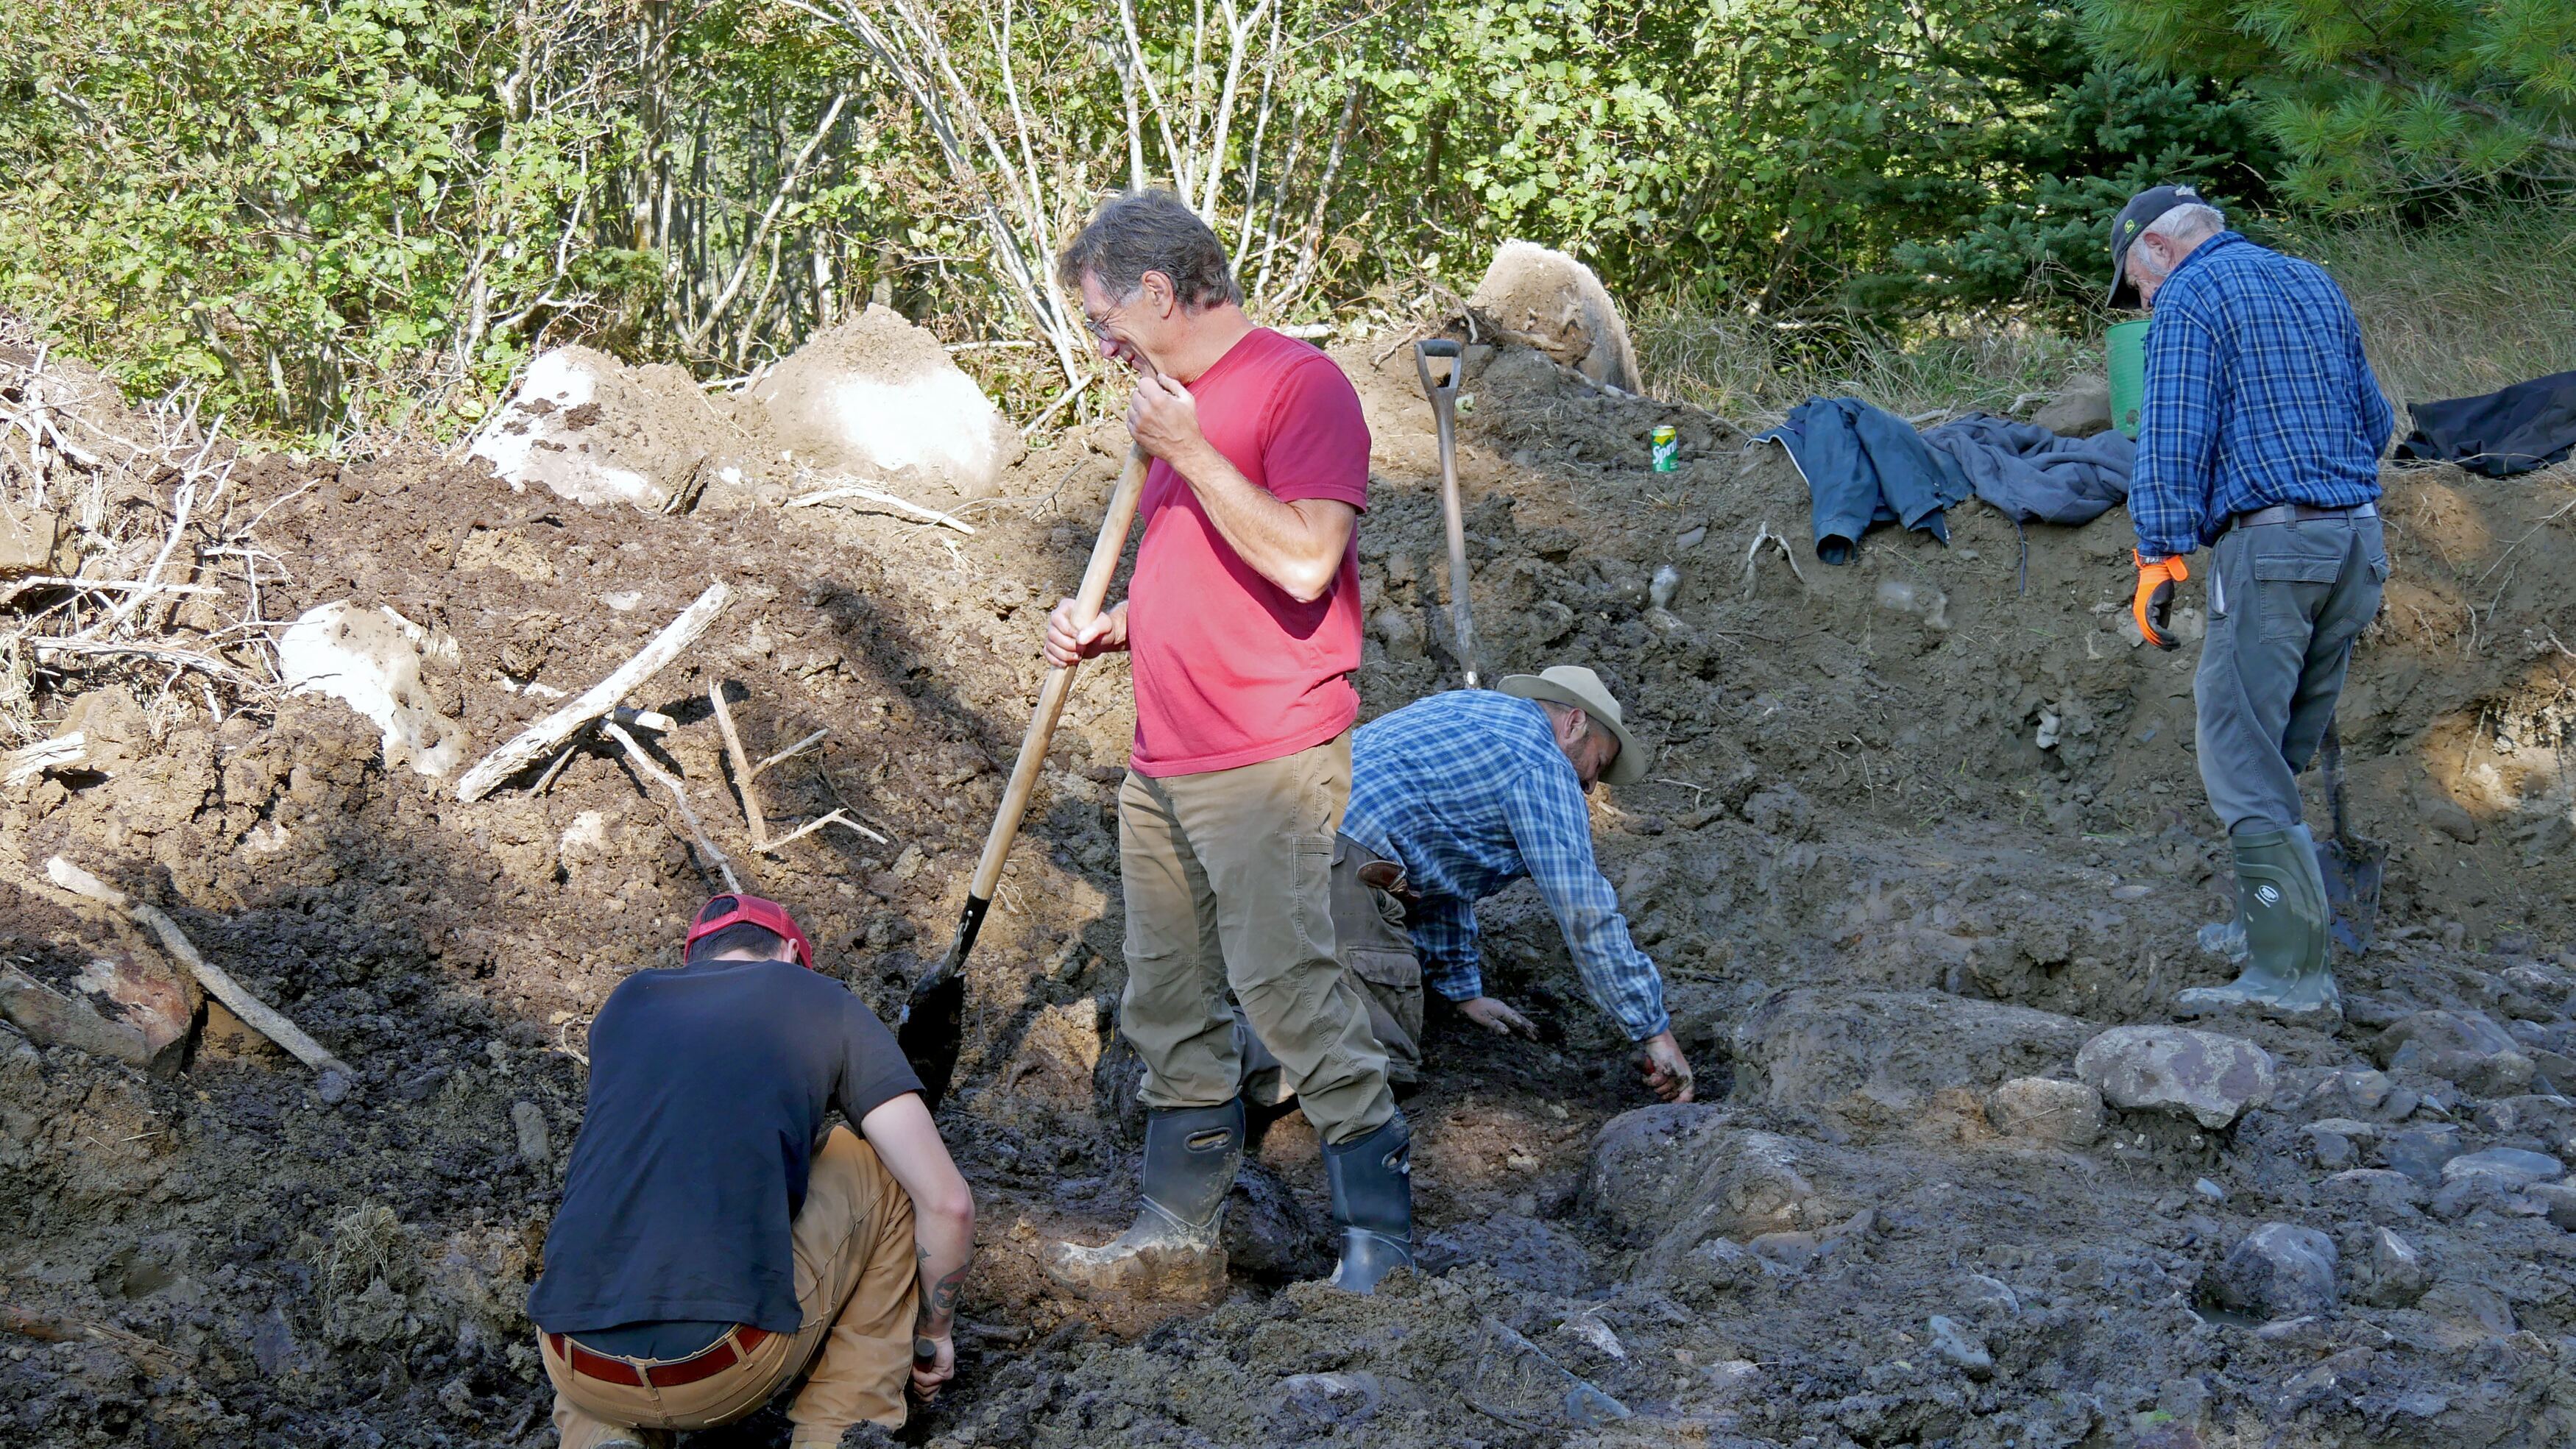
(1668, 449)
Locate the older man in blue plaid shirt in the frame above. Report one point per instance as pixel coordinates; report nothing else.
(1454, 797)
(2259, 437)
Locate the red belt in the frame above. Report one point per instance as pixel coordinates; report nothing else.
(714, 1359)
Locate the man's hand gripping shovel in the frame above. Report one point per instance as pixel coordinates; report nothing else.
(932, 1026)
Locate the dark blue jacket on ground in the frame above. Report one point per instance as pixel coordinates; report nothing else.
(1864, 465)
(2034, 475)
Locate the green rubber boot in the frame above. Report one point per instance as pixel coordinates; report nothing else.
(2281, 899)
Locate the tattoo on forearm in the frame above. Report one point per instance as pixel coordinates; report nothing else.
(939, 1305)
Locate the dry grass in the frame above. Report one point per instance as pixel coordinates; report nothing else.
(2465, 305)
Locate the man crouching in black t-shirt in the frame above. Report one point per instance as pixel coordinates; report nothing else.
(719, 1235)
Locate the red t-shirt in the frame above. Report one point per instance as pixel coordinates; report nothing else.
(1229, 669)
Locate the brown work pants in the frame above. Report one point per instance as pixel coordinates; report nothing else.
(858, 1285)
(1374, 945)
(1227, 881)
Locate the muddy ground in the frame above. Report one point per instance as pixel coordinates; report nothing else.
(1915, 826)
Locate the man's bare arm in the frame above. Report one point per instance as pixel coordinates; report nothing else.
(1297, 544)
(943, 1228)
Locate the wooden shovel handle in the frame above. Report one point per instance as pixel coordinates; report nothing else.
(1096, 578)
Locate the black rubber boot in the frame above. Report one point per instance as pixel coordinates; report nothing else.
(1191, 1157)
(1372, 1182)
(2281, 898)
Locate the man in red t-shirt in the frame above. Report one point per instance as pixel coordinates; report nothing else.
(1243, 619)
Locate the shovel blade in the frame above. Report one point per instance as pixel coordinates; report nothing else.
(2352, 871)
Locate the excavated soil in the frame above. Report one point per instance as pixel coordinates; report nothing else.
(1913, 826)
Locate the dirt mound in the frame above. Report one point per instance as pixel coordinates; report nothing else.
(878, 398)
(1913, 826)
(596, 431)
(1547, 300)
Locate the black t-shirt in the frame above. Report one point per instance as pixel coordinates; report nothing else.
(710, 1088)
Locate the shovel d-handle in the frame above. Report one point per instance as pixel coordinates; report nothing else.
(931, 1027)
(1444, 411)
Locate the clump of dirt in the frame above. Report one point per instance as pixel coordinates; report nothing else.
(879, 398)
(1914, 826)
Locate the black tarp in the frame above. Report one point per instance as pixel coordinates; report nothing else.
(2528, 425)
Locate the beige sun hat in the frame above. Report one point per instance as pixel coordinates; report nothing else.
(1572, 684)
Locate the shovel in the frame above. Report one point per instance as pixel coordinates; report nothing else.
(2351, 865)
(1444, 411)
(932, 1025)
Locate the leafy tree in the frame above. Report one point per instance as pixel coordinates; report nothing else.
(2376, 100)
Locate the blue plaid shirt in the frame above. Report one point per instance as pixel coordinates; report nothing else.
(1468, 792)
(2257, 393)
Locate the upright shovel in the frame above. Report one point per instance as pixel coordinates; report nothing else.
(1444, 411)
(932, 1025)
(2351, 865)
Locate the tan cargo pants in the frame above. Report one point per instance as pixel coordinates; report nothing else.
(1376, 948)
(1227, 882)
(859, 1286)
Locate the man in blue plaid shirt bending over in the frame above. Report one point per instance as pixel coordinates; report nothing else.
(2259, 438)
(1455, 797)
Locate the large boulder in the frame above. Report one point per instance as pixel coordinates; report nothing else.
(596, 431)
(879, 400)
(2209, 1078)
(1548, 300)
(370, 660)
(1886, 1052)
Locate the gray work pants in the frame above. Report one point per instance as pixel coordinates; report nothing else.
(2286, 601)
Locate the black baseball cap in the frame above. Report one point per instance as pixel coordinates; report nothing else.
(2133, 219)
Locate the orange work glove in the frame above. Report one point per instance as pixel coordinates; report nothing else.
(2153, 607)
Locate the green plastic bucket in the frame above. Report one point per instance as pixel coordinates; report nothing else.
(2127, 342)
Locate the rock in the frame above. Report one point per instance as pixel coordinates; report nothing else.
(2420, 1152)
(370, 660)
(2280, 1271)
(1883, 1054)
(1788, 1250)
(1398, 631)
(2396, 1276)
(2080, 411)
(591, 429)
(536, 1147)
(1668, 1178)
(1547, 300)
(1961, 1348)
(35, 541)
(2351, 1092)
(1988, 1295)
(1536, 1255)
(1329, 1399)
(2390, 1194)
(2336, 1143)
(880, 400)
(2466, 1047)
(2209, 1078)
(1268, 1234)
(2508, 1167)
(50, 1018)
(2468, 1305)
(2450, 819)
(2558, 1201)
(2044, 1110)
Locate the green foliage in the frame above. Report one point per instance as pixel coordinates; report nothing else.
(2379, 100)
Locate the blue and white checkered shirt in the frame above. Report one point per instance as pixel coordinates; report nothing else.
(2257, 393)
(1468, 792)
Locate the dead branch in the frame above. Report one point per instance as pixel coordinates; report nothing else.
(19, 766)
(871, 495)
(255, 1013)
(205, 664)
(754, 814)
(552, 731)
(679, 797)
(48, 1328)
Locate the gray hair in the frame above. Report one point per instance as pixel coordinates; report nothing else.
(2187, 222)
(1150, 231)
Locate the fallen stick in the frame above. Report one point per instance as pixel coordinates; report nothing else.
(186, 498)
(19, 766)
(216, 667)
(255, 1013)
(46, 1328)
(552, 731)
(680, 797)
(871, 495)
(754, 814)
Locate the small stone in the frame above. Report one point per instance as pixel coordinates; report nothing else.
(2468, 1305)
(1322, 1399)
(2209, 1191)
(536, 1147)
(333, 1088)
(2449, 819)
(2510, 1167)
(2397, 1276)
(2082, 410)
(2558, 1201)
(2332, 1150)
(2465, 1047)
(2393, 1194)
(2210, 1078)
(909, 863)
(1788, 1250)
(2419, 1152)
(1961, 1348)
(2280, 1270)
(1987, 1294)
(2039, 1109)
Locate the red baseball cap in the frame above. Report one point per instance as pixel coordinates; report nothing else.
(770, 916)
